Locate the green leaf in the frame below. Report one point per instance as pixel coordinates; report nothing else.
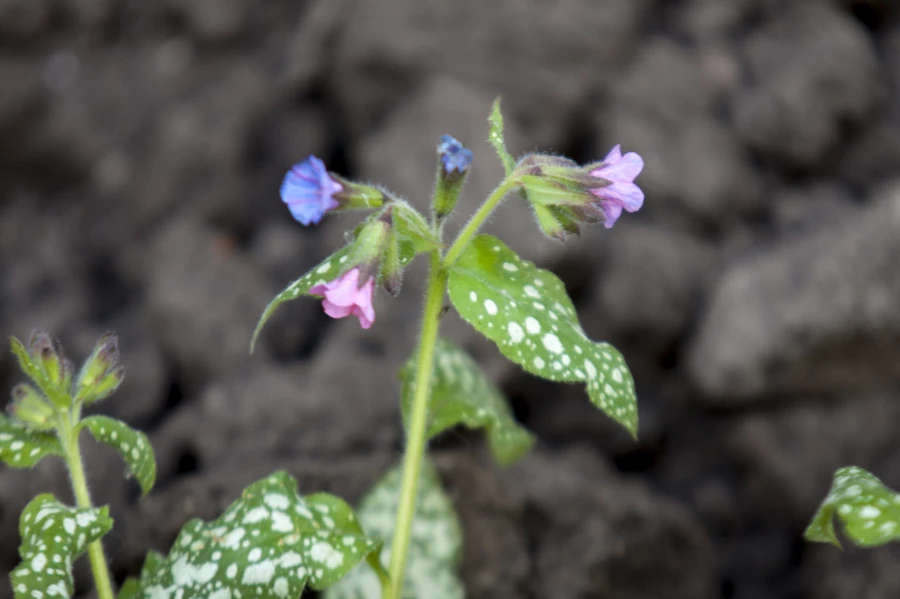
(496, 137)
(462, 394)
(132, 445)
(327, 270)
(23, 448)
(869, 510)
(415, 235)
(131, 589)
(269, 544)
(525, 310)
(53, 535)
(435, 543)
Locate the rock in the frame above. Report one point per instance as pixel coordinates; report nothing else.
(211, 20)
(297, 411)
(663, 109)
(544, 59)
(857, 572)
(791, 454)
(812, 314)
(588, 528)
(814, 70)
(24, 19)
(809, 208)
(204, 300)
(653, 283)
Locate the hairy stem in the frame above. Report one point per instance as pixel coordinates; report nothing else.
(477, 220)
(69, 438)
(415, 443)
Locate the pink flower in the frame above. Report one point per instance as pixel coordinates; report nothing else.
(344, 296)
(621, 191)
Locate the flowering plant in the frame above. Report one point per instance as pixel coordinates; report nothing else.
(273, 543)
(522, 308)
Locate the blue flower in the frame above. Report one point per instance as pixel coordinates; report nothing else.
(308, 190)
(454, 157)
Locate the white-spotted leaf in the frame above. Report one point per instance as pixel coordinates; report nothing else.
(526, 311)
(23, 448)
(461, 394)
(270, 544)
(132, 445)
(53, 535)
(435, 542)
(869, 510)
(328, 270)
(495, 137)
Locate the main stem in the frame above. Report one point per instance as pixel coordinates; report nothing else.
(69, 438)
(415, 444)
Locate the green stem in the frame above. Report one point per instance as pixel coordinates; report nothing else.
(69, 438)
(415, 444)
(477, 220)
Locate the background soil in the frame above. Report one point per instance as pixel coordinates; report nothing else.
(756, 296)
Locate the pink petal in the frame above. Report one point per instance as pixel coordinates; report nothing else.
(343, 290)
(335, 311)
(365, 320)
(628, 195)
(612, 211)
(614, 155)
(624, 170)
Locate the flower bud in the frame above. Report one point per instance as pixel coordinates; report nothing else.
(29, 407)
(47, 354)
(94, 380)
(453, 165)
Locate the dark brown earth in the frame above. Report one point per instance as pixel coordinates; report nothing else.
(756, 296)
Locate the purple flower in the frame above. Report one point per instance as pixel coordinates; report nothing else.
(620, 191)
(308, 190)
(344, 296)
(454, 156)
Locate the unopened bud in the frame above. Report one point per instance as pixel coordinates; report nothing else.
(454, 160)
(97, 368)
(48, 355)
(29, 407)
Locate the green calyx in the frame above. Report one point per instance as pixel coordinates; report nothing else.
(357, 196)
(101, 374)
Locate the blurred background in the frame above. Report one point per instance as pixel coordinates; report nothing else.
(756, 296)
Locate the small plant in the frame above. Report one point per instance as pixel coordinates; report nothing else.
(272, 543)
(46, 420)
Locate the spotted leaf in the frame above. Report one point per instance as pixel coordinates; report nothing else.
(23, 448)
(869, 510)
(435, 541)
(270, 544)
(495, 120)
(328, 270)
(461, 394)
(53, 535)
(132, 445)
(525, 310)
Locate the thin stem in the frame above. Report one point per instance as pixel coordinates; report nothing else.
(415, 444)
(477, 220)
(69, 438)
